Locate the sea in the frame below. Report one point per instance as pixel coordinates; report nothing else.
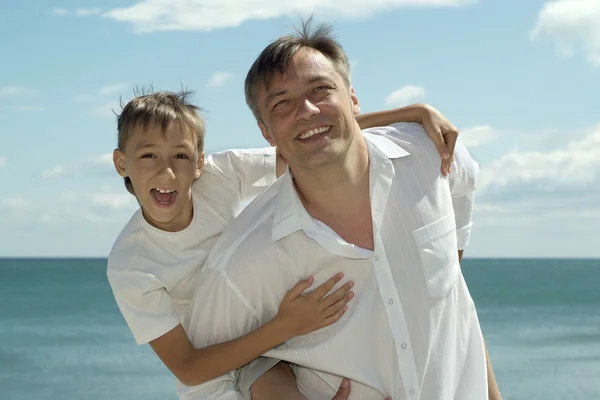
(62, 336)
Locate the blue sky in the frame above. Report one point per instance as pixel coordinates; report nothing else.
(521, 79)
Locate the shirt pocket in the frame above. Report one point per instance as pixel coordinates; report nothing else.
(439, 255)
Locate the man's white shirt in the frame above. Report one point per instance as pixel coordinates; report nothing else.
(410, 332)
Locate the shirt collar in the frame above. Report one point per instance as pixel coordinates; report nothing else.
(291, 216)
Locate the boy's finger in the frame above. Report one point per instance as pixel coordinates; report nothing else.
(326, 287)
(344, 391)
(299, 288)
(330, 320)
(337, 295)
(331, 310)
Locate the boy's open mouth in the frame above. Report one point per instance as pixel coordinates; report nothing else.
(163, 196)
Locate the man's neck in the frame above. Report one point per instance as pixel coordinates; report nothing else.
(338, 189)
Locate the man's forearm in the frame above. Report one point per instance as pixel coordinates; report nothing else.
(493, 389)
(411, 113)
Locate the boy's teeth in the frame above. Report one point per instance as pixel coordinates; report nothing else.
(313, 132)
(164, 191)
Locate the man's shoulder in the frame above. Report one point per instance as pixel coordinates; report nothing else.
(253, 223)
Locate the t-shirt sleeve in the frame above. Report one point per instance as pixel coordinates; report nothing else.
(144, 303)
(250, 171)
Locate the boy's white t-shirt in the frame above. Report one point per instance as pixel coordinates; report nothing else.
(151, 271)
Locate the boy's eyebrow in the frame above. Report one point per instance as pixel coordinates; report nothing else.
(152, 146)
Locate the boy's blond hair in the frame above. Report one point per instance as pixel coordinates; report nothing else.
(158, 108)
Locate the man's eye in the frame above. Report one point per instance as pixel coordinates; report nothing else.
(280, 103)
(320, 88)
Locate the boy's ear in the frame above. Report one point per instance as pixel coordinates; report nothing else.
(120, 163)
(199, 166)
(265, 132)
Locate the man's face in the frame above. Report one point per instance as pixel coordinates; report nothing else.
(162, 168)
(309, 114)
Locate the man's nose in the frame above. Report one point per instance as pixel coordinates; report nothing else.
(307, 110)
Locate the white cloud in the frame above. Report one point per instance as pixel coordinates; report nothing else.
(405, 95)
(60, 11)
(16, 91)
(477, 135)
(106, 109)
(83, 98)
(2, 162)
(15, 203)
(31, 108)
(104, 160)
(568, 23)
(80, 12)
(55, 172)
(576, 163)
(566, 177)
(219, 79)
(114, 201)
(112, 89)
(205, 15)
(84, 12)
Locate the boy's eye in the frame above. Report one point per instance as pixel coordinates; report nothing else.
(182, 156)
(148, 155)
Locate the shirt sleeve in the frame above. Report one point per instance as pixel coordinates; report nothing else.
(463, 184)
(250, 171)
(144, 303)
(218, 313)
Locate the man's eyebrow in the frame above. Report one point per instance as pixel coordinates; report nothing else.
(271, 96)
(318, 78)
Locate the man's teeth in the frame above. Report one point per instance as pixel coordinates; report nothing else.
(313, 132)
(164, 191)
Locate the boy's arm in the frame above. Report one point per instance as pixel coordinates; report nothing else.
(298, 314)
(441, 131)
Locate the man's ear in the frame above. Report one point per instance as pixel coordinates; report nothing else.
(199, 166)
(355, 104)
(265, 132)
(120, 163)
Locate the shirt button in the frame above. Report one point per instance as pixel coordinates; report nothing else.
(376, 258)
(390, 302)
(412, 391)
(404, 345)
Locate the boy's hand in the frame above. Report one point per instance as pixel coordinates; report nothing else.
(300, 314)
(443, 133)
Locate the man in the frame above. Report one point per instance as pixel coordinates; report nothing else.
(372, 204)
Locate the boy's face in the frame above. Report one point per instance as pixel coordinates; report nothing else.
(162, 168)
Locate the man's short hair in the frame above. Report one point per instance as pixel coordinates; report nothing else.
(276, 56)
